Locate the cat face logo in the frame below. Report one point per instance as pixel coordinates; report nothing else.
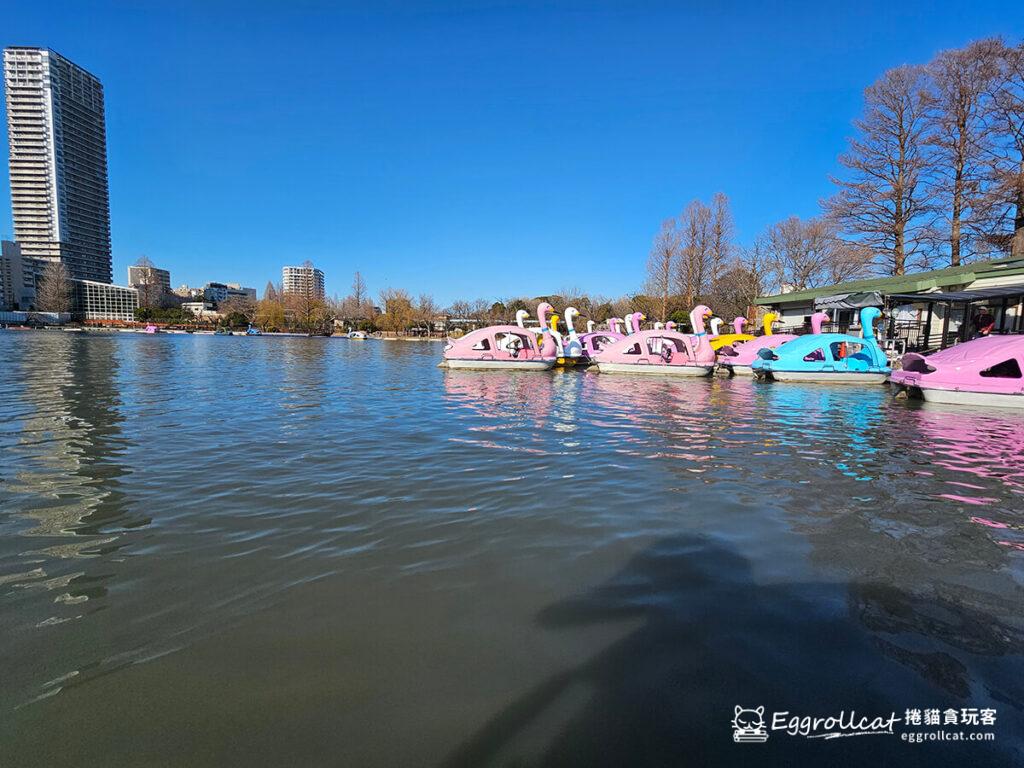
(748, 726)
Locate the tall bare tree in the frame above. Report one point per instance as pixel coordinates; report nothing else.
(723, 230)
(882, 202)
(662, 264)
(358, 289)
(1007, 109)
(960, 135)
(810, 254)
(53, 291)
(692, 269)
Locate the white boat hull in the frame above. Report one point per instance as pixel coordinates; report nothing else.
(984, 399)
(663, 370)
(830, 378)
(494, 365)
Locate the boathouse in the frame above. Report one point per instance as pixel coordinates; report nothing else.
(925, 309)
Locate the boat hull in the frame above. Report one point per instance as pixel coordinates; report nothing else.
(660, 370)
(826, 377)
(961, 397)
(495, 365)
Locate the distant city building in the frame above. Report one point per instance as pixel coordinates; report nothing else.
(17, 282)
(149, 276)
(58, 163)
(218, 292)
(91, 300)
(188, 293)
(304, 280)
(201, 309)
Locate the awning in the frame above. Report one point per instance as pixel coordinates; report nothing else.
(849, 301)
(955, 297)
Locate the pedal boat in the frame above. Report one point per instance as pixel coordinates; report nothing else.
(509, 347)
(827, 358)
(986, 372)
(662, 351)
(594, 341)
(732, 339)
(737, 360)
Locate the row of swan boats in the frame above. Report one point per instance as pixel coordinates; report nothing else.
(986, 371)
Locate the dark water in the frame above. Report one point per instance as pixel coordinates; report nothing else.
(232, 551)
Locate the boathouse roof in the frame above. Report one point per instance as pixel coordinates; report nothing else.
(918, 282)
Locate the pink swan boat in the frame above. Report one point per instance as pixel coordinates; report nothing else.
(661, 351)
(504, 346)
(738, 359)
(595, 341)
(987, 372)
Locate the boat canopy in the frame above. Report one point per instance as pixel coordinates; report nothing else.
(849, 300)
(956, 297)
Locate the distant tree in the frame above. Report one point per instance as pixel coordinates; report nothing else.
(881, 202)
(399, 313)
(744, 279)
(53, 293)
(961, 137)
(243, 309)
(270, 314)
(459, 309)
(358, 288)
(661, 265)
(1006, 111)
(723, 230)
(692, 269)
(809, 254)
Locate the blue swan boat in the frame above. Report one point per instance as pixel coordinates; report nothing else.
(828, 357)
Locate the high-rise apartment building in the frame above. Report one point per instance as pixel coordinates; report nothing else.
(58, 162)
(17, 284)
(306, 280)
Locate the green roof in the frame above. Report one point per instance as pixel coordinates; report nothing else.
(913, 283)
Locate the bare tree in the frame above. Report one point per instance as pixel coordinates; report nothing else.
(810, 254)
(53, 292)
(960, 134)
(723, 230)
(358, 289)
(696, 238)
(662, 263)
(239, 305)
(1007, 112)
(882, 204)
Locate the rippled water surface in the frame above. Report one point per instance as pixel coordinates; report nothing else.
(283, 551)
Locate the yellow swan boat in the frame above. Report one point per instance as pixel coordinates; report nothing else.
(726, 339)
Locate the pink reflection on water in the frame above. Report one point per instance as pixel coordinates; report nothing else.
(987, 445)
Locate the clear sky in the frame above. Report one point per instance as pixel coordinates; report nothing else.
(475, 149)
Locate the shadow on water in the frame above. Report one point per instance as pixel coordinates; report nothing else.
(708, 637)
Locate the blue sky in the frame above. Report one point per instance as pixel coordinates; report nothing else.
(477, 149)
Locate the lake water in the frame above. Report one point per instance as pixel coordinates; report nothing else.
(283, 551)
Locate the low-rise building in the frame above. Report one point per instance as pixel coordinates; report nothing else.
(91, 300)
(925, 309)
(142, 275)
(201, 309)
(218, 292)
